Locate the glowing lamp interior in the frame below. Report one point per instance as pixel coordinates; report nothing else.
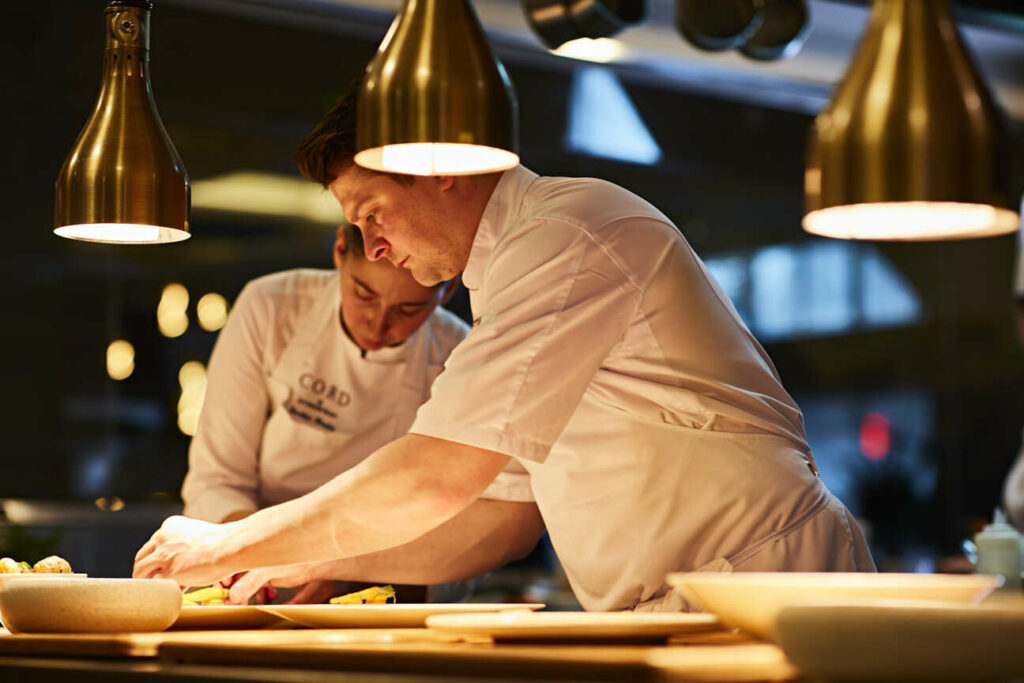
(911, 221)
(437, 158)
(121, 233)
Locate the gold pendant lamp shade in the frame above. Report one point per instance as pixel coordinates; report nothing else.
(123, 181)
(912, 146)
(435, 99)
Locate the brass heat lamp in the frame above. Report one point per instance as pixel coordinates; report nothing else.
(435, 99)
(123, 181)
(913, 146)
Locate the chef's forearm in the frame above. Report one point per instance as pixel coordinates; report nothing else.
(486, 535)
(401, 492)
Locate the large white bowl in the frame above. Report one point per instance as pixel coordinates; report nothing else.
(751, 601)
(83, 605)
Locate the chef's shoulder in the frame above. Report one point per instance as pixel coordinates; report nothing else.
(278, 299)
(588, 203)
(446, 330)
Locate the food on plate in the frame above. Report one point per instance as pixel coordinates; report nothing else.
(212, 595)
(48, 565)
(52, 565)
(10, 566)
(375, 595)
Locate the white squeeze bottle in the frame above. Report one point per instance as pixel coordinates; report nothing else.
(999, 550)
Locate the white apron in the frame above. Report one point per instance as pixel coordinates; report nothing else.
(331, 410)
(682, 499)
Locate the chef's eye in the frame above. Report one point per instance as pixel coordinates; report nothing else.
(409, 311)
(363, 294)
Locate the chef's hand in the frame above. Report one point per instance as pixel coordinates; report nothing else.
(313, 589)
(187, 550)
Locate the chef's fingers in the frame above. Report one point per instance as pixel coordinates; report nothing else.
(147, 548)
(146, 569)
(245, 587)
(228, 582)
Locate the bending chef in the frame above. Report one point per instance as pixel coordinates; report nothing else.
(603, 359)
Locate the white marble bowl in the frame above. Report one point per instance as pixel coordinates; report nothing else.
(751, 601)
(81, 605)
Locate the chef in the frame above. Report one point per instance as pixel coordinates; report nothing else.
(603, 359)
(315, 370)
(1013, 485)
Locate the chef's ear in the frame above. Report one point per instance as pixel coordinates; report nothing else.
(445, 182)
(339, 247)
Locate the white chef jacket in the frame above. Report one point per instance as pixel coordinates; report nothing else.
(607, 361)
(1013, 492)
(291, 401)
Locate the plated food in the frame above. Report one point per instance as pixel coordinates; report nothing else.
(375, 595)
(211, 595)
(48, 565)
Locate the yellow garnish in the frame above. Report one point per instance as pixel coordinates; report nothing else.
(206, 596)
(375, 595)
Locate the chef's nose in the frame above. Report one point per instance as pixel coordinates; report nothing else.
(377, 320)
(376, 246)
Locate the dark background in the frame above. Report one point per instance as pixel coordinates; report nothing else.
(238, 93)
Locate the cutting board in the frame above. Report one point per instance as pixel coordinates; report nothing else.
(149, 644)
(445, 659)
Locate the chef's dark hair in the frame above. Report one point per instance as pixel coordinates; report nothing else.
(354, 245)
(330, 147)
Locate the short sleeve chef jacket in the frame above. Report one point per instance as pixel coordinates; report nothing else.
(292, 402)
(607, 361)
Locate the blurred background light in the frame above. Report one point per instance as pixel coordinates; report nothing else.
(171, 312)
(192, 378)
(120, 359)
(212, 311)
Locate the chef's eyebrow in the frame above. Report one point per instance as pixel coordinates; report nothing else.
(356, 213)
(372, 291)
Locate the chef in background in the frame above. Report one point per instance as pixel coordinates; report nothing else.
(1013, 487)
(315, 370)
(603, 358)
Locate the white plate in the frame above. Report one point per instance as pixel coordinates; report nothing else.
(224, 617)
(904, 640)
(399, 615)
(40, 575)
(751, 600)
(574, 625)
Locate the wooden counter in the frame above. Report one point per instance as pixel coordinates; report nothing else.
(409, 654)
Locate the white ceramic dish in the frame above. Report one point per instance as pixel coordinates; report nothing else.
(42, 575)
(224, 617)
(412, 615)
(751, 600)
(82, 605)
(904, 640)
(575, 626)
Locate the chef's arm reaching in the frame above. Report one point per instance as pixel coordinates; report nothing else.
(401, 492)
(484, 536)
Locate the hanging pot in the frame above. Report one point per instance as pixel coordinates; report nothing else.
(605, 18)
(719, 24)
(782, 33)
(558, 21)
